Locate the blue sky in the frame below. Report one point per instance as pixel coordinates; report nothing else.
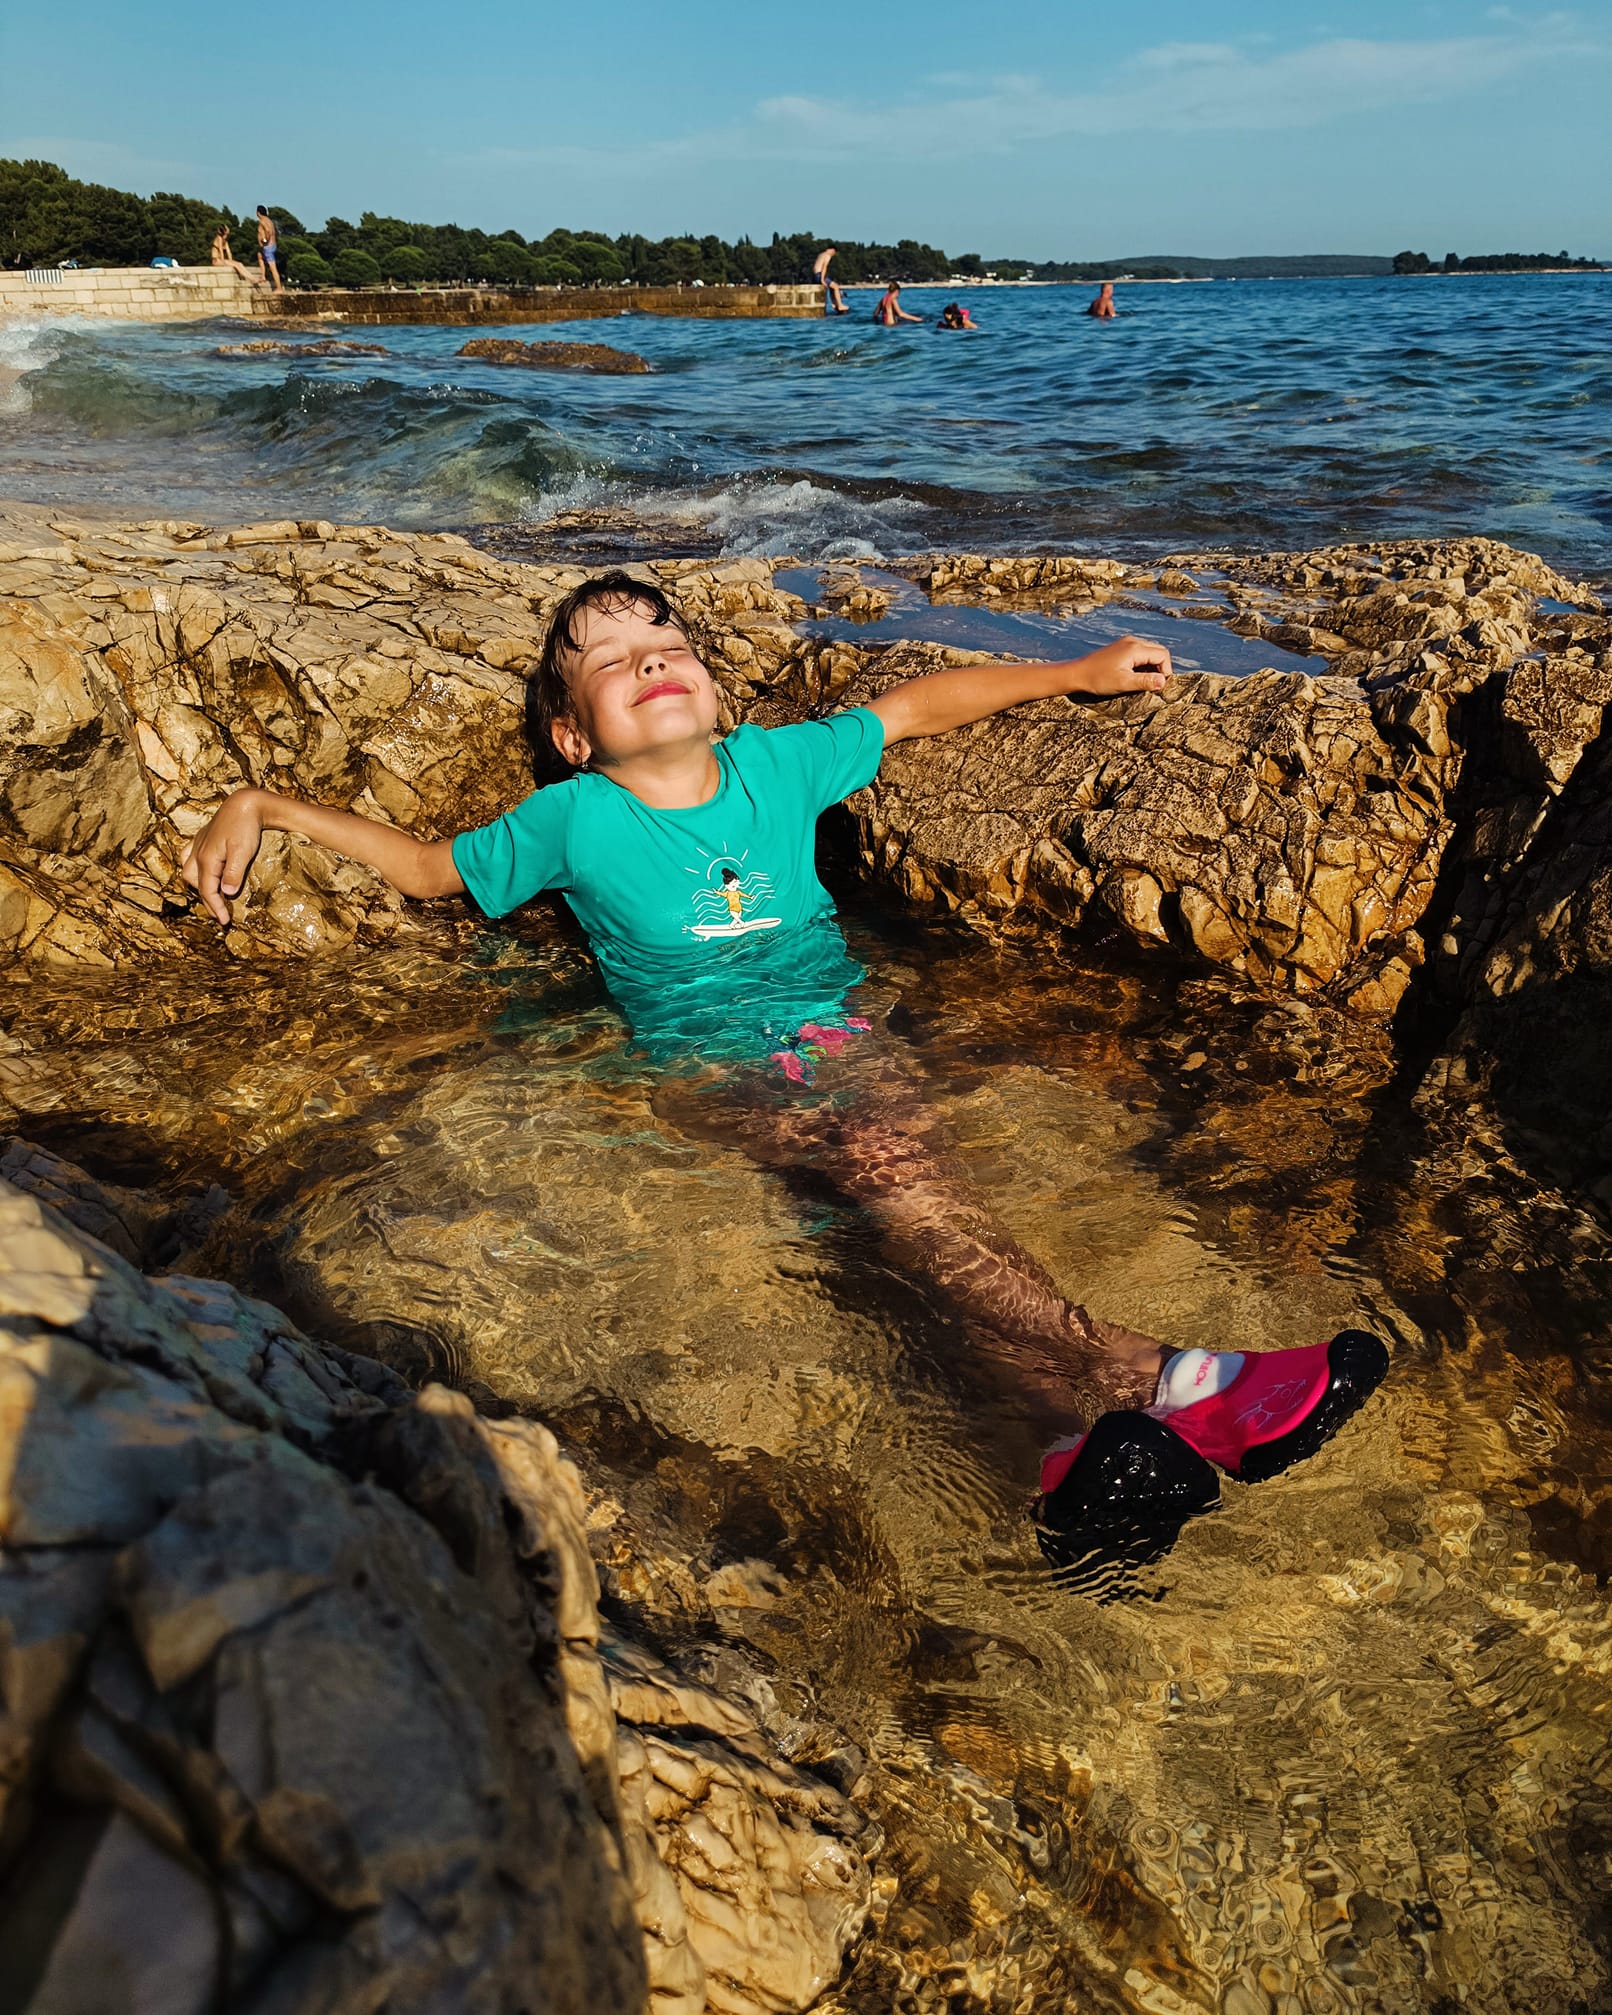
(1050, 128)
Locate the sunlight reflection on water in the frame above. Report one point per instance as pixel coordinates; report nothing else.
(1346, 1747)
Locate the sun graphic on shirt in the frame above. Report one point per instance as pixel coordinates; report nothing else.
(731, 896)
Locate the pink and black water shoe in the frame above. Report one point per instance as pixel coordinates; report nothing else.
(1118, 1496)
(1117, 1499)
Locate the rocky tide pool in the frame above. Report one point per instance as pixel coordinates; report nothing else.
(1261, 1009)
(1344, 1748)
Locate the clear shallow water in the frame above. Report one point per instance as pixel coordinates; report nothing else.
(1346, 1749)
(1194, 646)
(1254, 414)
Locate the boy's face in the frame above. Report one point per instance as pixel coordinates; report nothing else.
(636, 688)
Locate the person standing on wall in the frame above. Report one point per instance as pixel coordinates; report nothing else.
(268, 250)
(833, 295)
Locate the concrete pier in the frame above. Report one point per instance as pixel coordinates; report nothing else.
(201, 293)
(128, 293)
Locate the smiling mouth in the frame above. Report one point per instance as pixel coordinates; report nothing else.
(656, 691)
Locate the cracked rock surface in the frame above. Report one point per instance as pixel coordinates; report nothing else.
(1291, 829)
(305, 1702)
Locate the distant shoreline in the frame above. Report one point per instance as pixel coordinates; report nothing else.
(1228, 279)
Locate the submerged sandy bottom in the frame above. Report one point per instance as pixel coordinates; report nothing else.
(1346, 1748)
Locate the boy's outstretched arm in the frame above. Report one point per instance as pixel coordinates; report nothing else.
(940, 701)
(217, 859)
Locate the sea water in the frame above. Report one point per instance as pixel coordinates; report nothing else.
(1249, 414)
(1345, 1748)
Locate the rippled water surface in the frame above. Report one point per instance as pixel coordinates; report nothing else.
(1253, 414)
(1345, 1749)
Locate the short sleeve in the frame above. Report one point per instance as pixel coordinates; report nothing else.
(503, 865)
(831, 758)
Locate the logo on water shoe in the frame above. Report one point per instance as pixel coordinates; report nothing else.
(1273, 1408)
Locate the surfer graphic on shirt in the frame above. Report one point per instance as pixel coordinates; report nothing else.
(722, 906)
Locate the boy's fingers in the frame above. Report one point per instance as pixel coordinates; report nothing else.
(205, 883)
(237, 858)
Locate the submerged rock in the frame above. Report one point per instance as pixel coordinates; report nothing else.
(326, 346)
(596, 357)
(304, 1694)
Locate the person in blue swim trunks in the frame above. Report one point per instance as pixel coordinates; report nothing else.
(833, 296)
(688, 860)
(268, 250)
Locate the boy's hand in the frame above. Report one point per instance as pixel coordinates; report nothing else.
(217, 859)
(1131, 665)
(941, 701)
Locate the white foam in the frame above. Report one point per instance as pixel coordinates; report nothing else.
(760, 515)
(27, 346)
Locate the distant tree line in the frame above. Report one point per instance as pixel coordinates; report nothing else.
(47, 216)
(1495, 262)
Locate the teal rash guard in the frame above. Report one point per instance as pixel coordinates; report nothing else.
(709, 923)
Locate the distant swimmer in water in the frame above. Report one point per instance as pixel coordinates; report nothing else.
(833, 294)
(890, 310)
(1103, 307)
(952, 316)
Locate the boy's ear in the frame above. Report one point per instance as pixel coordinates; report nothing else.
(571, 742)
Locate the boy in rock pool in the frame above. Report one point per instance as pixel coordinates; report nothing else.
(689, 862)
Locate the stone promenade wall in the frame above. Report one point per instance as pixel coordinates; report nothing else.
(197, 293)
(131, 293)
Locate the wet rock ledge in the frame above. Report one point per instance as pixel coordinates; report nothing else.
(1290, 829)
(1416, 831)
(305, 1699)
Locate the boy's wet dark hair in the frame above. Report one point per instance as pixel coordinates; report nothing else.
(548, 697)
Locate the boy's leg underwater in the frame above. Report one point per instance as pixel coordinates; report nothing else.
(886, 1149)
(1158, 1422)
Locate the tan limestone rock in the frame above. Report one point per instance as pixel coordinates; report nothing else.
(287, 1649)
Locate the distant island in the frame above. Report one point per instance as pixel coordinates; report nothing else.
(1497, 262)
(1184, 266)
(48, 217)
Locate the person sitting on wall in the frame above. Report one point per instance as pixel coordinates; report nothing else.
(890, 311)
(1103, 307)
(222, 256)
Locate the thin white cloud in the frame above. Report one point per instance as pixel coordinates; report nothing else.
(1172, 88)
(1179, 55)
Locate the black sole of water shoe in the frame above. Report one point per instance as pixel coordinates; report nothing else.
(1123, 1503)
(1358, 1362)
